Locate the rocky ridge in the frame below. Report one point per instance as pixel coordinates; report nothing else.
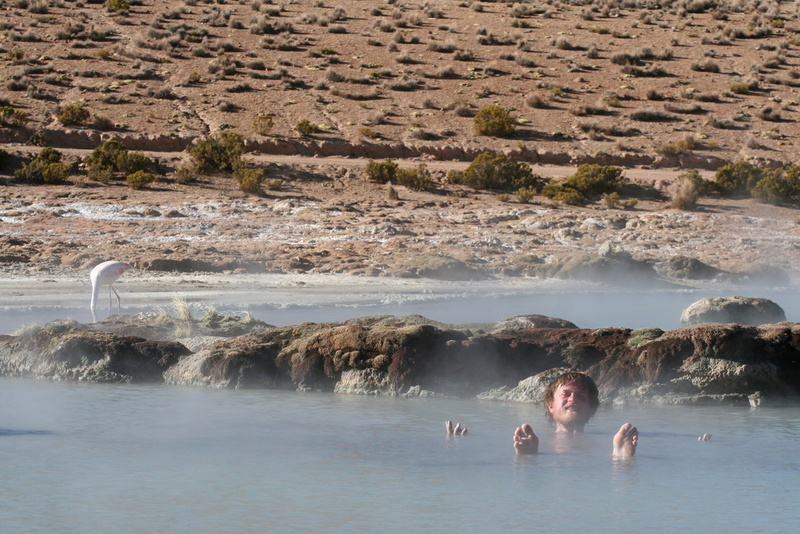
(413, 356)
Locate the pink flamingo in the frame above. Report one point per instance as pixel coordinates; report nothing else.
(106, 274)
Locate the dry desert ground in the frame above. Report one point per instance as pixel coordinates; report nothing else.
(316, 88)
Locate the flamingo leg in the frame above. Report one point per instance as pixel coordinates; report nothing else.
(92, 306)
(119, 300)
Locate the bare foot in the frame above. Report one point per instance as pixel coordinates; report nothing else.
(704, 437)
(457, 430)
(625, 441)
(525, 441)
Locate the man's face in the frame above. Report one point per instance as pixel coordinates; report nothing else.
(570, 407)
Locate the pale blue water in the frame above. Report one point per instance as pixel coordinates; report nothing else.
(587, 308)
(94, 458)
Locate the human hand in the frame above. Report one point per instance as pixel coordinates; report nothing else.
(457, 430)
(525, 441)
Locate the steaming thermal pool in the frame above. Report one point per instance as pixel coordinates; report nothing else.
(87, 458)
(293, 299)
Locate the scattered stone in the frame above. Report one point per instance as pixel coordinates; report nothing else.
(521, 322)
(685, 268)
(741, 310)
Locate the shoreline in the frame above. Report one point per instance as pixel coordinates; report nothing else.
(284, 299)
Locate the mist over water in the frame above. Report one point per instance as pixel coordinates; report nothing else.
(88, 458)
(94, 458)
(587, 307)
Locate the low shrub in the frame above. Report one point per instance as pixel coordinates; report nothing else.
(681, 147)
(590, 179)
(382, 172)
(12, 117)
(737, 179)
(140, 179)
(131, 162)
(769, 113)
(73, 114)
(495, 170)
(102, 123)
(306, 128)
(525, 194)
(250, 179)
(263, 123)
(418, 178)
(112, 157)
(45, 168)
(99, 173)
(537, 102)
(686, 193)
(779, 186)
(645, 72)
(562, 193)
(594, 179)
(220, 151)
(274, 184)
(612, 130)
(740, 88)
(708, 65)
(186, 173)
(112, 6)
(368, 132)
(495, 121)
(651, 115)
(613, 201)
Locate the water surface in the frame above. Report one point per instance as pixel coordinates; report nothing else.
(585, 305)
(94, 458)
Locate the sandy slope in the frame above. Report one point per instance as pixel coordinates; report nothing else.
(329, 219)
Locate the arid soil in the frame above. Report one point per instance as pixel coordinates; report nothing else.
(692, 84)
(329, 218)
(583, 79)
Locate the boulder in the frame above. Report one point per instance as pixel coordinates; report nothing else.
(685, 268)
(193, 332)
(742, 310)
(66, 350)
(611, 265)
(521, 322)
(437, 267)
(530, 389)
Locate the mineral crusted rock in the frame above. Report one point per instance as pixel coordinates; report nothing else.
(742, 310)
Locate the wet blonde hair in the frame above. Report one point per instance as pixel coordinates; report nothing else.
(576, 378)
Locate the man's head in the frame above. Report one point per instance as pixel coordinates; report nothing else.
(571, 400)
